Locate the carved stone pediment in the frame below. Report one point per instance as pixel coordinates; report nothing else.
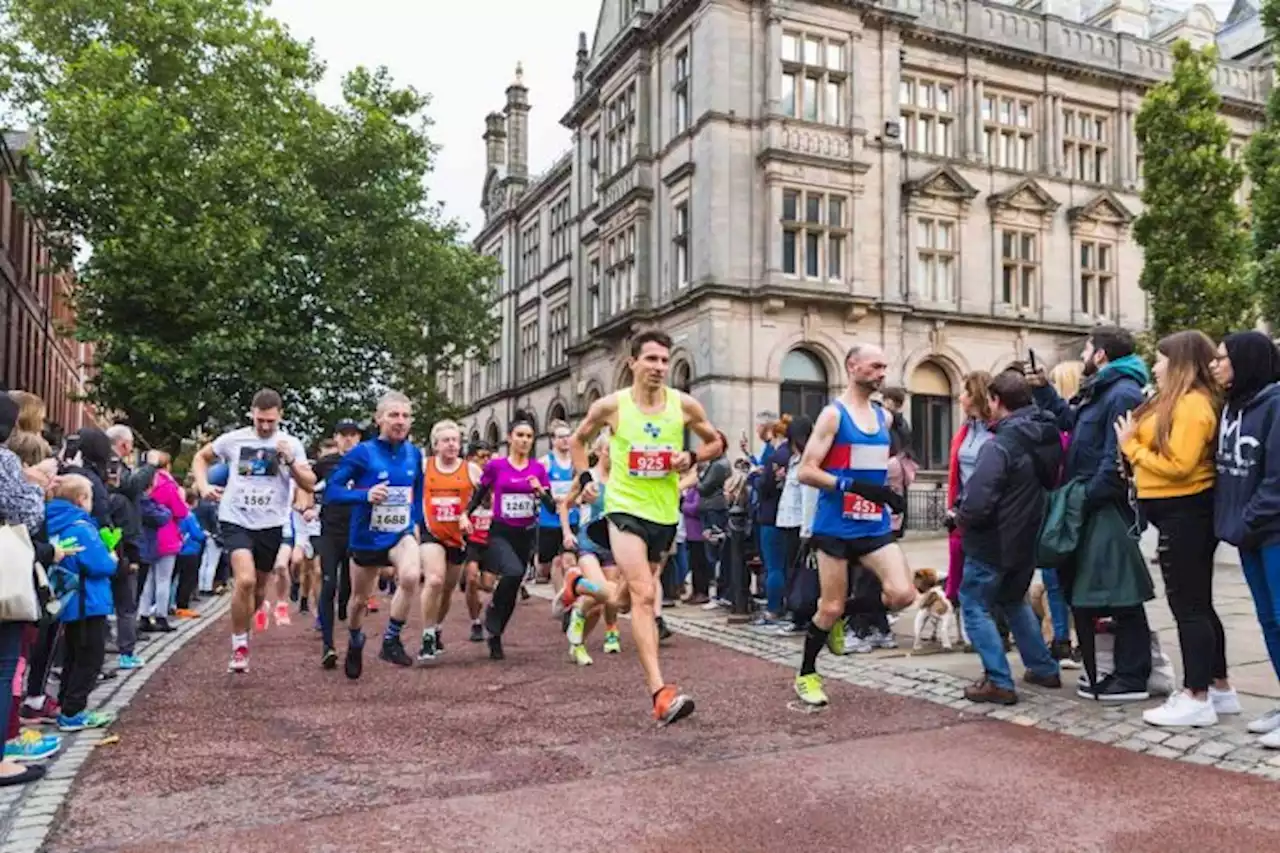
(943, 182)
(1026, 195)
(1104, 208)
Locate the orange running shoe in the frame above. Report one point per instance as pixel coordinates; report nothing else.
(373, 604)
(670, 705)
(568, 595)
(184, 613)
(260, 618)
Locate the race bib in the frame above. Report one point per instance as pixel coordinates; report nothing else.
(445, 510)
(858, 508)
(255, 497)
(392, 515)
(561, 488)
(480, 522)
(650, 461)
(518, 506)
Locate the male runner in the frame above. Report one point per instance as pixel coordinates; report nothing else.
(254, 508)
(383, 478)
(552, 557)
(642, 503)
(447, 488)
(847, 460)
(335, 534)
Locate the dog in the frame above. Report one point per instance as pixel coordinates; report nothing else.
(934, 611)
(1038, 598)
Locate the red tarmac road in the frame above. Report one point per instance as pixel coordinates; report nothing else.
(536, 754)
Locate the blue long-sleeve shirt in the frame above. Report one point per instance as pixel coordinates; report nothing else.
(400, 467)
(193, 536)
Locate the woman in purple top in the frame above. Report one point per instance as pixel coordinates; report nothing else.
(518, 484)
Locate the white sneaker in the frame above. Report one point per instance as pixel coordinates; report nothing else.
(1182, 709)
(1225, 701)
(1271, 740)
(1267, 723)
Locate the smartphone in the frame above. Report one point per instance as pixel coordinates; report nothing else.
(72, 447)
(1031, 354)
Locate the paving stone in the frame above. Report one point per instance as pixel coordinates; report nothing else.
(26, 821)
(1215, 749)
(1135, 745)
(1197, 758)
(30, 834)
(1234, 766)
(1249, 754)
(1163, 752)
(1181, 742)
(1154, 736)
(1125, 729)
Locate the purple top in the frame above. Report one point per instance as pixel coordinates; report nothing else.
(689, 503)
(514, 503)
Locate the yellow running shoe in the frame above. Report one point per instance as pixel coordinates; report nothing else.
(577, 627)
(578, 654)
(835, 639)
(809, 690)
(612, 643)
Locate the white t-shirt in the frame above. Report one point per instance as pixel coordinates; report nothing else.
(257, 496)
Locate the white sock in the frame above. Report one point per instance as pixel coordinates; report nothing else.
(239, 641)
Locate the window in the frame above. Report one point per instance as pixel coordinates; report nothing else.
(557, 335)
(593, 293)
(500, 283)
(1019, 266)
(928, 116)
(493, 369)
(560, 230)
(814, 234)
(593, 168)
(680, 245)
(456, 395)
(804, 389)
(931, 416)
(1097, 278)
(620, 270)
(476, 391)
(936, 259)
(813, 78)
(1085, 147)
(1008, 131)
(680, 93)
(620, 130)
(529, 347)
(531, 251)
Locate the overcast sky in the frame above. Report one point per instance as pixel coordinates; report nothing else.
(464, 55)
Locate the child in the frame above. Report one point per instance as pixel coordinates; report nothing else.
(189, 558)
(82, 582)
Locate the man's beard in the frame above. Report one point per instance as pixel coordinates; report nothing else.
(869, 385)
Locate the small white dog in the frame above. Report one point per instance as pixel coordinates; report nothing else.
(934, 611)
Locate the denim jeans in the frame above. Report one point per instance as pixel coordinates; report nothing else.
(979, 593)
(10, 648)
(1262, 573)
(1059, 613)
(773, 553)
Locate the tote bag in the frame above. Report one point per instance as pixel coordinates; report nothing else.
(18, 602)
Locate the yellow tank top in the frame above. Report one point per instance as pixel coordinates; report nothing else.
(642, 480)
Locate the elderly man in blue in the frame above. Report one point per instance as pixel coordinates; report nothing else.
(383, 477)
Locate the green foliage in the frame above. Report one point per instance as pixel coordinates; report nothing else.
(241, 233)
(1263, 158)
(1194, 244)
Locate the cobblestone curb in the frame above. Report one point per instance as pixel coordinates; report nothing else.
(27, 812)
(1121, 727)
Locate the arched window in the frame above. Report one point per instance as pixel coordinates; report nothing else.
(475, 436)
(805, 389)
(491, 436)
(931, 416)
(557, 413)
(682, 377)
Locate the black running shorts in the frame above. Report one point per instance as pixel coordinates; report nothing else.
(657, 537)
(264, 545)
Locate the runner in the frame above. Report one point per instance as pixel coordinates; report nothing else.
(517, 483)
(647, 424)
(383, 478)
(447, 489)
(253, 510)
(281, 573)
(847, 459)
(335, 534)
(596, 567)
(478, 455)
(304, 562)
(552, 558)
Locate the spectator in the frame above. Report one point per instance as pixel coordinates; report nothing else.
(795, 499)
(773, 549)
(973, 434)
(187, 566)
(153, 604)
(699, 565)
(713, 509)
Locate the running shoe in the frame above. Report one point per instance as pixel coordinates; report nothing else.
(372, 605)
(664, 633)
(882, 639)
(428, 652)
(282, 614)
(578, 654)
(577, 627)
(835, 639)
(260, 618)
(477, 633)
(393, 652)
(239, 660)
(186, 613)
(295, 589)
(495, 649)
(84, 720)
(809, 690)
(131, 662)
(439, 641)
(612, 643)
(670, 705)
(562, 602)
(47, 712)
(329, 660)
(524, 593)
(354, 663)
(30, 746)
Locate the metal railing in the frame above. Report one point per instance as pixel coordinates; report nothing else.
(926, 508)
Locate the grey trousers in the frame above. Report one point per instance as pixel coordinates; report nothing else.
(125, 598)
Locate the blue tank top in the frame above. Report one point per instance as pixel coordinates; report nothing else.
(561, 482)
(862, 456)
(591, 513)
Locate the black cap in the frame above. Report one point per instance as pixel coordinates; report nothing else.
(347, 425)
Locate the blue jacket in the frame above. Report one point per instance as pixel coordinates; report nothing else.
(369, 463)
(81, 581)
(1090, 417)
(193, 536)
(1246, 499)
(154, 516)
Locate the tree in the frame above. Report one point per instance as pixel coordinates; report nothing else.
(1263, 159)
(240, 232)
(1194, 245)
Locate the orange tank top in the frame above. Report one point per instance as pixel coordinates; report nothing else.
(445, 499)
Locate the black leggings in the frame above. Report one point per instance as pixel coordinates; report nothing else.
(507, 556)
(335, 582)
(1186, 548)
(699, 567)
(187, 572)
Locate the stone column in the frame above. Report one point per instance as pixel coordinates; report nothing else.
(773, 64)
(891, 285)
(975, 120)
(644, 111)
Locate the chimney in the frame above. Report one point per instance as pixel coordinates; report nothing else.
(495, 141)
(580, 71)
(517, 112)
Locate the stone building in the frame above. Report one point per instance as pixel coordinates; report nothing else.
(953, 180)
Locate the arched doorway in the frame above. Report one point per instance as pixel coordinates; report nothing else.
(475, 436)
(557, 413)
(932, 405)
(491, 436)
(805, 389)
(682, 377)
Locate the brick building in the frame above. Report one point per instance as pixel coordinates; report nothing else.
(36, 352)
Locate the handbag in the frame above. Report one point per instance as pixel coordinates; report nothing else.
(18, 602)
